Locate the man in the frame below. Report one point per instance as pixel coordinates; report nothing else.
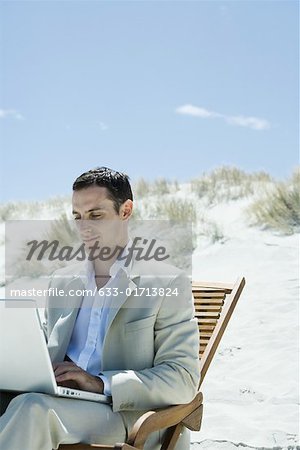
(141, 349)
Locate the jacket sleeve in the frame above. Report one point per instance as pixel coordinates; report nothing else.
(175, 374)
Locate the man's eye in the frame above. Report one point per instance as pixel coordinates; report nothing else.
(96, 216)
(76, 218)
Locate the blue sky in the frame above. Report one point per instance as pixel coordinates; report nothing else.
(154, 88)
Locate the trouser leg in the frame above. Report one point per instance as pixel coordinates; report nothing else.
(42, 422)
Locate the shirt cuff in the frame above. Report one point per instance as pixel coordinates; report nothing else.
(107, 386)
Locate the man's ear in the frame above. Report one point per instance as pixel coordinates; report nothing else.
(126, 209)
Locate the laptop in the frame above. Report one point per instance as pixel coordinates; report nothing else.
(25, 363)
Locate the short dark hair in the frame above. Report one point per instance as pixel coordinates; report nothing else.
(116, 183)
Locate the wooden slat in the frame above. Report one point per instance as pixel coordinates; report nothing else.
(201, 309)
(209, 314)
(204, 338)
(197, 287)
(201, 351)
(208, 307)
(200, 294)
(206, 327)
(209, 292)
(203, 318)
(211, 301)
(209, 285)
(207, 321)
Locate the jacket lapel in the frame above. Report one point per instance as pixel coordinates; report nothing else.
(62, 332)
(125, 286)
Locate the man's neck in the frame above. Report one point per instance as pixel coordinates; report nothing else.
(102, 268)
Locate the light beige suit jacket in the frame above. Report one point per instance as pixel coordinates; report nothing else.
(150, 350)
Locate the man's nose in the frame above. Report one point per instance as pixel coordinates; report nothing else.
(83, 225)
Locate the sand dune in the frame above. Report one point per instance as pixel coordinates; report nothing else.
(251, 393)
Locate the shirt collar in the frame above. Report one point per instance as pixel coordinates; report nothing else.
(119, 264)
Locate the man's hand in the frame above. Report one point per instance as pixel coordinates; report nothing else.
(69, 375)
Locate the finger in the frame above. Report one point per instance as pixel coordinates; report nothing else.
(63, 364)
(55, 365)
(69, 376)
(61, 371)
(64, 369)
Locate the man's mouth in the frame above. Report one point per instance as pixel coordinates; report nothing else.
(89, 239)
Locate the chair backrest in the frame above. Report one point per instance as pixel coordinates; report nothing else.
(214, 305)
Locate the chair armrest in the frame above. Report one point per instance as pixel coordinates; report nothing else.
(189, 414)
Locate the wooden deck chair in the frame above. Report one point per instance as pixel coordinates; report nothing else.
(214, 305)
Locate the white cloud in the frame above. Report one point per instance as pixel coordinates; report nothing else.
(103, 126)
(192, 110)
(251, 122)
(256, 123)
(4, 113)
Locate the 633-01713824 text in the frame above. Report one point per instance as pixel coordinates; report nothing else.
(138, 292)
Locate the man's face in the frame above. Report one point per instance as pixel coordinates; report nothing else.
(97, 218)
